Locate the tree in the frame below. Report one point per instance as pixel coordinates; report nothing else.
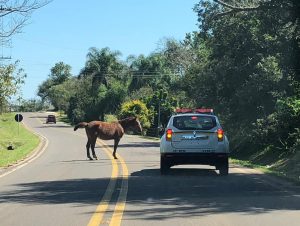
(144, 70)
(248, 67)
(178, 55)
(138, 109)
(81, 102)
(11, 79)
(59, 74)
(31, 105)
(60, 94)
(102, 64)
(107, 87)
(20, 12)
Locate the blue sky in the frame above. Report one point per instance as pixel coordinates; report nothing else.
(64, 31)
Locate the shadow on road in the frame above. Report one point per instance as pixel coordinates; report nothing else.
(196, 192)
(78, 191)
(177, 172)
(182, 193)
(54, 126)
(44, 117)
(137, 144)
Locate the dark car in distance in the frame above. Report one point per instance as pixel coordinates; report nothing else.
(51, 118)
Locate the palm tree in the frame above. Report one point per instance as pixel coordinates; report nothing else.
(100, 64)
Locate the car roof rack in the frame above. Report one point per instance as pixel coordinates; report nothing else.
(209, 111)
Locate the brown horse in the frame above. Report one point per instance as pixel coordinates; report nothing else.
(107, 131)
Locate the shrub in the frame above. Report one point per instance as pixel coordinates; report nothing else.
(138, 109)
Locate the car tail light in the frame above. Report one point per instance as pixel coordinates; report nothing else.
(169, 135)
(220, 134)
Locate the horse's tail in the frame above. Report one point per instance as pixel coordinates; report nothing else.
(81, 125)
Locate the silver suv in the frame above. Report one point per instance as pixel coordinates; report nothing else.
(194, 137)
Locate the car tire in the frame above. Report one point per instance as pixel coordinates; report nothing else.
(224, 167)
(164, 165)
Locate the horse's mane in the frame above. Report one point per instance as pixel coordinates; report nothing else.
(131, 118)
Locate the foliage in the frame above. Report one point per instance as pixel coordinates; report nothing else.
(60, 94)
(178, 56)
(145, 71)
(59, 74)
(110, 118)
(80, 102)
(11, 79)
(247, 71)
(162, 105)
(32, 105)
(138, 109)
(102, 64)
(273, 129)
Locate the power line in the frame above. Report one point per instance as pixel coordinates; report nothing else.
(154, 74)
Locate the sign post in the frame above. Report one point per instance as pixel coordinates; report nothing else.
(18, 118)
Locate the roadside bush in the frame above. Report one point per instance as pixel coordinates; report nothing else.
(280, 130)
(138, 109)
(110, 118)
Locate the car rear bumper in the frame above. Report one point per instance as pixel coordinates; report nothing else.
(195, 158)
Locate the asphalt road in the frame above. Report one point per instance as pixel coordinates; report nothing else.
(59, 186)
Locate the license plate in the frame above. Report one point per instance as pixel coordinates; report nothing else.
(194, 137)
(178, 151)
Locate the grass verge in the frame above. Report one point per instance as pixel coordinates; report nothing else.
(22, 141)
(64, 118)
(272, 170)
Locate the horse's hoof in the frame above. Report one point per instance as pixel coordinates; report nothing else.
(89, 158)
(95, 158)
(115, 157)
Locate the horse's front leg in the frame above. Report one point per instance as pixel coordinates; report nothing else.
(88, 144)
(115, 148)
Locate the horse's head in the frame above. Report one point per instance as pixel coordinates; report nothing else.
(131, 123)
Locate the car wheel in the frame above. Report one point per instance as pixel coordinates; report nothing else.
(164, 165)
(224, 168)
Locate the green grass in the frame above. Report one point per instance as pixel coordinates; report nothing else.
(20, 138)
(63, 118)
(283, 168)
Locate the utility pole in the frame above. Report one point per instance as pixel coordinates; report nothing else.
(158, 118)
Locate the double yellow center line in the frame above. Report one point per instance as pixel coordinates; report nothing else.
(98, 216)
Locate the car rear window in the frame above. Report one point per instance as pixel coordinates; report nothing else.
(194, 122)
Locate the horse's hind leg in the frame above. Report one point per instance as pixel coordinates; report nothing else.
(88, 144)
(115, 148)
(93, 142)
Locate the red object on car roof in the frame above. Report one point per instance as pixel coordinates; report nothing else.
(197, 110)
(204, 110)
(184, 110)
